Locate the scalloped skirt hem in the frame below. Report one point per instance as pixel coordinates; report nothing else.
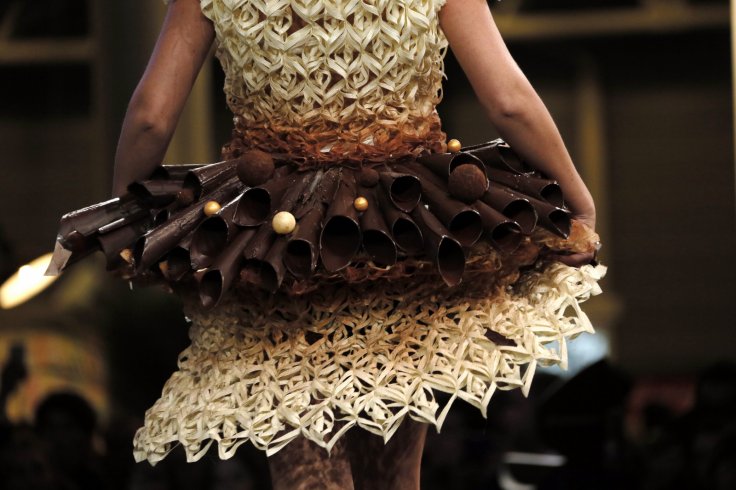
(268, 369)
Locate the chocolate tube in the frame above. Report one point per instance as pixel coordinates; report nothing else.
(156, 193)
(161, 239)
(256, 203)
(441, 164)
(545, 189)
(180, 264)
(340, 238)
(268, 273)
(112, 243)
(404, 190)
(301, 254)
(174, 172)
(217, 279)
(87, 221)
(445, 251)
(503, 233)
(512, 205)
(207, 178)
(498, 154)
(406, 234)
(211, 236)
(377, 240)
(557, 220)
(63, 258)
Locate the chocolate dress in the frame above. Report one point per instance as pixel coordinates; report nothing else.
(395, 270)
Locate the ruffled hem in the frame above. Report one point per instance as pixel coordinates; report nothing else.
(268, 369)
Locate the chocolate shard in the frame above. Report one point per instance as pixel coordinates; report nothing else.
(405, 232)
(442, 164)
(512, 205)
(212, 235)
(463, 222)
(161, 239)
(216, 281)
(205, 179)
(498, 154)
(445, 251)
(544, 189)
(114, 242)
(256, 203)
(503, 233)
(174, 172)
(341, 238)
(404, 190)
(377, 240)
(156, 193)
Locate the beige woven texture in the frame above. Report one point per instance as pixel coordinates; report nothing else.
(267, 369)
(332, 79)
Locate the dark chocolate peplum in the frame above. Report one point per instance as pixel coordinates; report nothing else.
(345, 217)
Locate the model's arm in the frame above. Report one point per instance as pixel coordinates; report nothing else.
(182, 47)
(511, 103)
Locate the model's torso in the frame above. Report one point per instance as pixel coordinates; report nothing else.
(331, 79)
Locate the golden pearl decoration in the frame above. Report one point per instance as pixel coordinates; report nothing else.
(454, 146)
(283, 222)
(360, 203)
(211, 208)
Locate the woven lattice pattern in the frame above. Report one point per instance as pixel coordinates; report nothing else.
(267, 369)
(332, 79)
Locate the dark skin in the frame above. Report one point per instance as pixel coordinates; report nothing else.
(362, 460)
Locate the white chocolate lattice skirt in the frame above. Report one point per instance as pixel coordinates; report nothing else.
(269, 368)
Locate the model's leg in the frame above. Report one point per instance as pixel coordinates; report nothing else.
(302, 465)
(394, 466)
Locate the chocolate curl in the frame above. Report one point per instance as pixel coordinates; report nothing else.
(217, 279)
(405, 232)
(441, 164)
(156, 193)
(503, 233)
(77, 228)
(403, 189)
(256, 203)
(341, 238)
(557, 220)
(207, 178)
(301, 255)
(114, 242)
(544, 189)
(211, 236)
(463, 221)
(377, 240)
(161, 239)
(445, 251)
(512, 205)
(498, 154)
(180, 263)
(174, 172)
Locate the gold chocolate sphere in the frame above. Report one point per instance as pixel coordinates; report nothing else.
(454, 146)
(283, 222)
(211, 208)
(360, 203)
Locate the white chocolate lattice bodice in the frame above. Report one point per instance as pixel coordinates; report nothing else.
(331, 79)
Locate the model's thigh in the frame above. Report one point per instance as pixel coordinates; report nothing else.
(302, 465)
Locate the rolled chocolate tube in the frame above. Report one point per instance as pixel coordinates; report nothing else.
(302, 252)
(211, 236)
(63, 258)
(268, 273)
(377, 240)
(87, 221)
(503, 233)
(545, 189)
(445, 251)
(174, 172)
(217, 279)
(557, 220)
(161, 239)
(441, 164)
(512, 205)
(256, 203)
(205, 179)
(341, 238)
(406, 234)
(156, 193)
(498, 154)
(404, 190)
(178, 259)
(112, 243)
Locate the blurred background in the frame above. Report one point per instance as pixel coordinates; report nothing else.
(642, 91)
